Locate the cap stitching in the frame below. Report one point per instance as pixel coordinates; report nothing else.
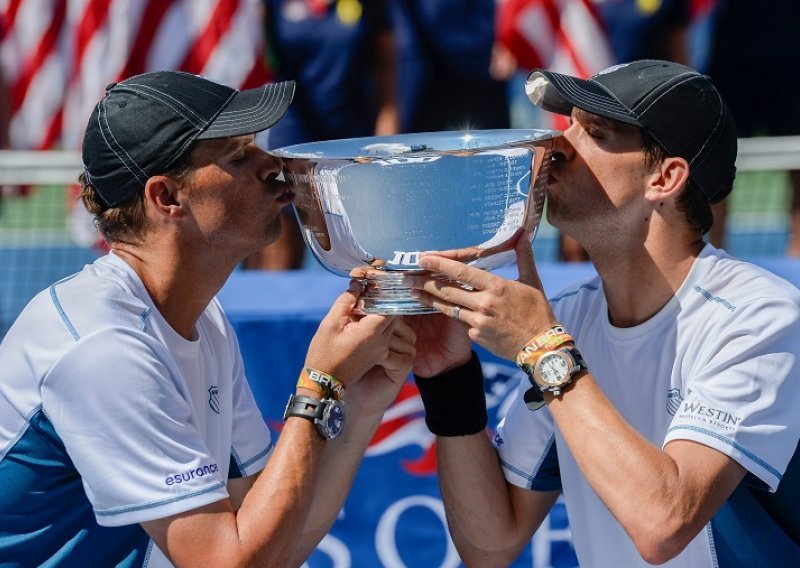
(710, 136)
(253, 114)
(619, 102)
(686, 77)
(259, 110)
(250, 115)
(590, 97)
(261, 102)
(170, 102)
(183, 110)
(101, 117)
(161, 95)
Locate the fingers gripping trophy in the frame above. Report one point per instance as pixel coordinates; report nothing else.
(379, 202)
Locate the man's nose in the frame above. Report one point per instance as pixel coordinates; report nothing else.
(269, 165)
(562, 148)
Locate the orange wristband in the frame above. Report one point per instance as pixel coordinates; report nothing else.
(322, 383)
(549, 339)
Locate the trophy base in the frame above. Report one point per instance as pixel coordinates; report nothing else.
(386, 293)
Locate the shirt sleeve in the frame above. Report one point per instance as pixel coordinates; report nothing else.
(744, 400)
(252, 440)
(525, 442)
(131, 433)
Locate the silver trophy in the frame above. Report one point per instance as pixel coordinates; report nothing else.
(380, 201)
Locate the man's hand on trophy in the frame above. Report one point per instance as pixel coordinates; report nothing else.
(442, 344)
(469, 254)
(346, 345)
(501, 315)
(381, 384)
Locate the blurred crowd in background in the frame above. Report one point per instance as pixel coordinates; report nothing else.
(377, 67)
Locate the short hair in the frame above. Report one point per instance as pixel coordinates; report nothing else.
(692, 201)
(126, 221)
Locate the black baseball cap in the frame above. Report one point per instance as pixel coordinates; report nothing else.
(679, 107)
(145, 123)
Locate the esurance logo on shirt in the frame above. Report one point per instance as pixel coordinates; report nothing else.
(191, 474)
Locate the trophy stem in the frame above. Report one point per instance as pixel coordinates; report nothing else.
(386, 293)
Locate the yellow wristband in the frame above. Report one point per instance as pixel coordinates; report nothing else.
(326, 385)
(549, 339)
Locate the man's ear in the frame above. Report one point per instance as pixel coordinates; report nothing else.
(667, 179)
(161, 193)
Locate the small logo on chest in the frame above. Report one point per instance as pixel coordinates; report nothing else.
(213, 398)
(674, 400)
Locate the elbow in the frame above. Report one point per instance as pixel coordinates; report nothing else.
(659, 540)
(488, 553)
(487, 558)
(658, 553)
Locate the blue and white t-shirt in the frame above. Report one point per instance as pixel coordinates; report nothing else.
(717, 365)
(109, 418)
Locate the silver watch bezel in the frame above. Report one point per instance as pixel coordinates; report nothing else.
(572, 364)
(329, 426)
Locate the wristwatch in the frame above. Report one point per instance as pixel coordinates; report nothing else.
(326, 414)
(553, 371)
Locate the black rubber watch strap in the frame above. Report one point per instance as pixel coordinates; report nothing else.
(303, 407)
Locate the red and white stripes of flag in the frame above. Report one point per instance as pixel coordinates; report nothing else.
(57, 56)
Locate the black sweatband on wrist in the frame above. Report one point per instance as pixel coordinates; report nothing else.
(455, 401)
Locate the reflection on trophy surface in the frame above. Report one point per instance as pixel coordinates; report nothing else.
(381, 201)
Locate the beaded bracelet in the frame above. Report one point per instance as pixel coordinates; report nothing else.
(323, 384)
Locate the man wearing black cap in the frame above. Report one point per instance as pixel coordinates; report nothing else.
(661, 396)
(128, 433)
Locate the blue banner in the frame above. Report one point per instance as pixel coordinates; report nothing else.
(394, 515)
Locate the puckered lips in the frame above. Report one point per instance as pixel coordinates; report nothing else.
(278, 187)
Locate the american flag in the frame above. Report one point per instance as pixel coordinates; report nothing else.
(566, 36)
(57, 56)
(33, 41)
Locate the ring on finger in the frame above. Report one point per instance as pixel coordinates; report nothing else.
(456, 312)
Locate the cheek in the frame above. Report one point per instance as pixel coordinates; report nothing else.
(621, 179)
(218, 211)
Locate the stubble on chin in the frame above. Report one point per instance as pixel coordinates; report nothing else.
(555, 213)
(273, 231)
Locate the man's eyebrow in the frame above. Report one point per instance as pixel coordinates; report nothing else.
(586, 116)
(235, 143)
(602, 122)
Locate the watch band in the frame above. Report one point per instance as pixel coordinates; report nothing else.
(327, 414)
(302, 406)
(534, 396)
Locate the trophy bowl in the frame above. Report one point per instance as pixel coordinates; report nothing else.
(381, 201)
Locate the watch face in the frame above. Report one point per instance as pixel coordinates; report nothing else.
(334, 418)
(553, 369)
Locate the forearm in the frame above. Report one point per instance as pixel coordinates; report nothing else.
(484, 524)
(661, 505)
(275, 509)
(489, 520)
(340, 461)
(265, 530)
